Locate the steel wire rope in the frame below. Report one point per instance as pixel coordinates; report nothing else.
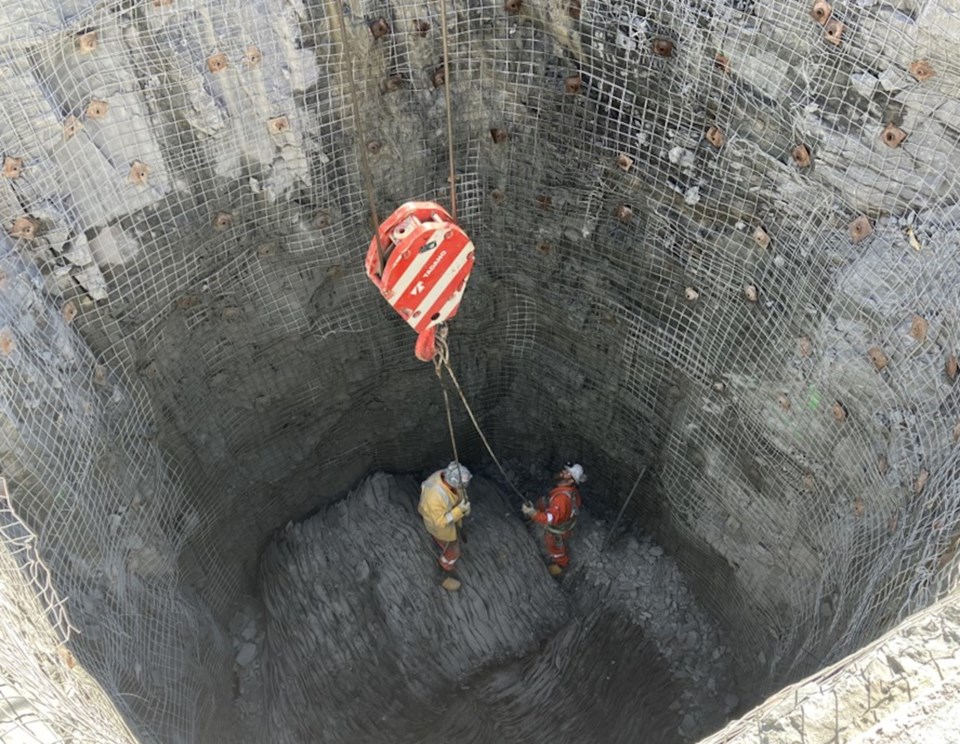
(446, 95)
(442, 360)
(364, 163)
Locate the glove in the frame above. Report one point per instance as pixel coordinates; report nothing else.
(461, 510)
(527, 509)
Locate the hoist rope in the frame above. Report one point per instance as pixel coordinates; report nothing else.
(364, 164)
(438, 368)
(446, 93)
(442, 361)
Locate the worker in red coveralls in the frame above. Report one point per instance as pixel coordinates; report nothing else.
(558, 513)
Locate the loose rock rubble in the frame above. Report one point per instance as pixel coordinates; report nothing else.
(637, 579)
(363, 645)
(247, 632)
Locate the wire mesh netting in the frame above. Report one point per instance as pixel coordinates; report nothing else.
(715, 237)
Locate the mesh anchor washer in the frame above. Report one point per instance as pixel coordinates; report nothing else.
(426, 261)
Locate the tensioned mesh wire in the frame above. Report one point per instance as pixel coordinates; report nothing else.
(669, 271)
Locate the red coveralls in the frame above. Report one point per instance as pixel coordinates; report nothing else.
(557, 513)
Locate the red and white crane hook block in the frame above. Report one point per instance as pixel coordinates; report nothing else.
(421, 265)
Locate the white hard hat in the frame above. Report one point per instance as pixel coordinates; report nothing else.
(575, 471)
(457, 475)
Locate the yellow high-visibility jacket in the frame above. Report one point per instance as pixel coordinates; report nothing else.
(439, 507)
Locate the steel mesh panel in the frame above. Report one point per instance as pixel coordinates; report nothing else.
(191, 354)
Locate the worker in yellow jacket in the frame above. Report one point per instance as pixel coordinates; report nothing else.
(443, 505)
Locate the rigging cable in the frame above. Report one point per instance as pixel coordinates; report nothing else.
(361, 138)
(446, 93)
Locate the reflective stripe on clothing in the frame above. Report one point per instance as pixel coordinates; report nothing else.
(449, 555)
(557, 549)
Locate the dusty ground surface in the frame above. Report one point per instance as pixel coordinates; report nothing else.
(362, 645)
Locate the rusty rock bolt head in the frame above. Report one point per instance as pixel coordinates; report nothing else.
(266, 249)
(278, 124)
(761, 237)
(512, 6)
(379, 28)
(439, 76)
(804, 346)
(858, 507)
(624, 162)
(663, 47)
(394, 82)
(187, 301)
(572, 85)
(12, 167)
(97, 109)
(722, 63)
(139, 172)
(71, 126)
(100, 375)
(69, 311)
(950, 367)
(715, 136)
(750, 292)
(217, 62)
(545, 202)
(26, 228)
(892, 135)
(783, 400)
(921, 480)
(918, 329)
(87, 42)
(922, 70)
(7, 344)
(222, 221)
(956, 433)
(882, 465)
(544, 247)
(801, 155)
(691, 294)
(719, 386)
(497, 196)
(860, 228)
(253, 56)
(624, 213)
(821, 11)
(573, 9)
(321, 220)
(499, 136)
(420, 28)
(374, 146)
(877, 356)
(833, 31)
(808, 481)
(839, 411)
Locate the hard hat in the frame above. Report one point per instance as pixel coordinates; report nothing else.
(575, 471)
(457, 475)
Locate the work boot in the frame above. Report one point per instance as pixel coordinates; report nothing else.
(554, 569)
(450, 583)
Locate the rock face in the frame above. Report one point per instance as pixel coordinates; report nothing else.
(715, 243)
